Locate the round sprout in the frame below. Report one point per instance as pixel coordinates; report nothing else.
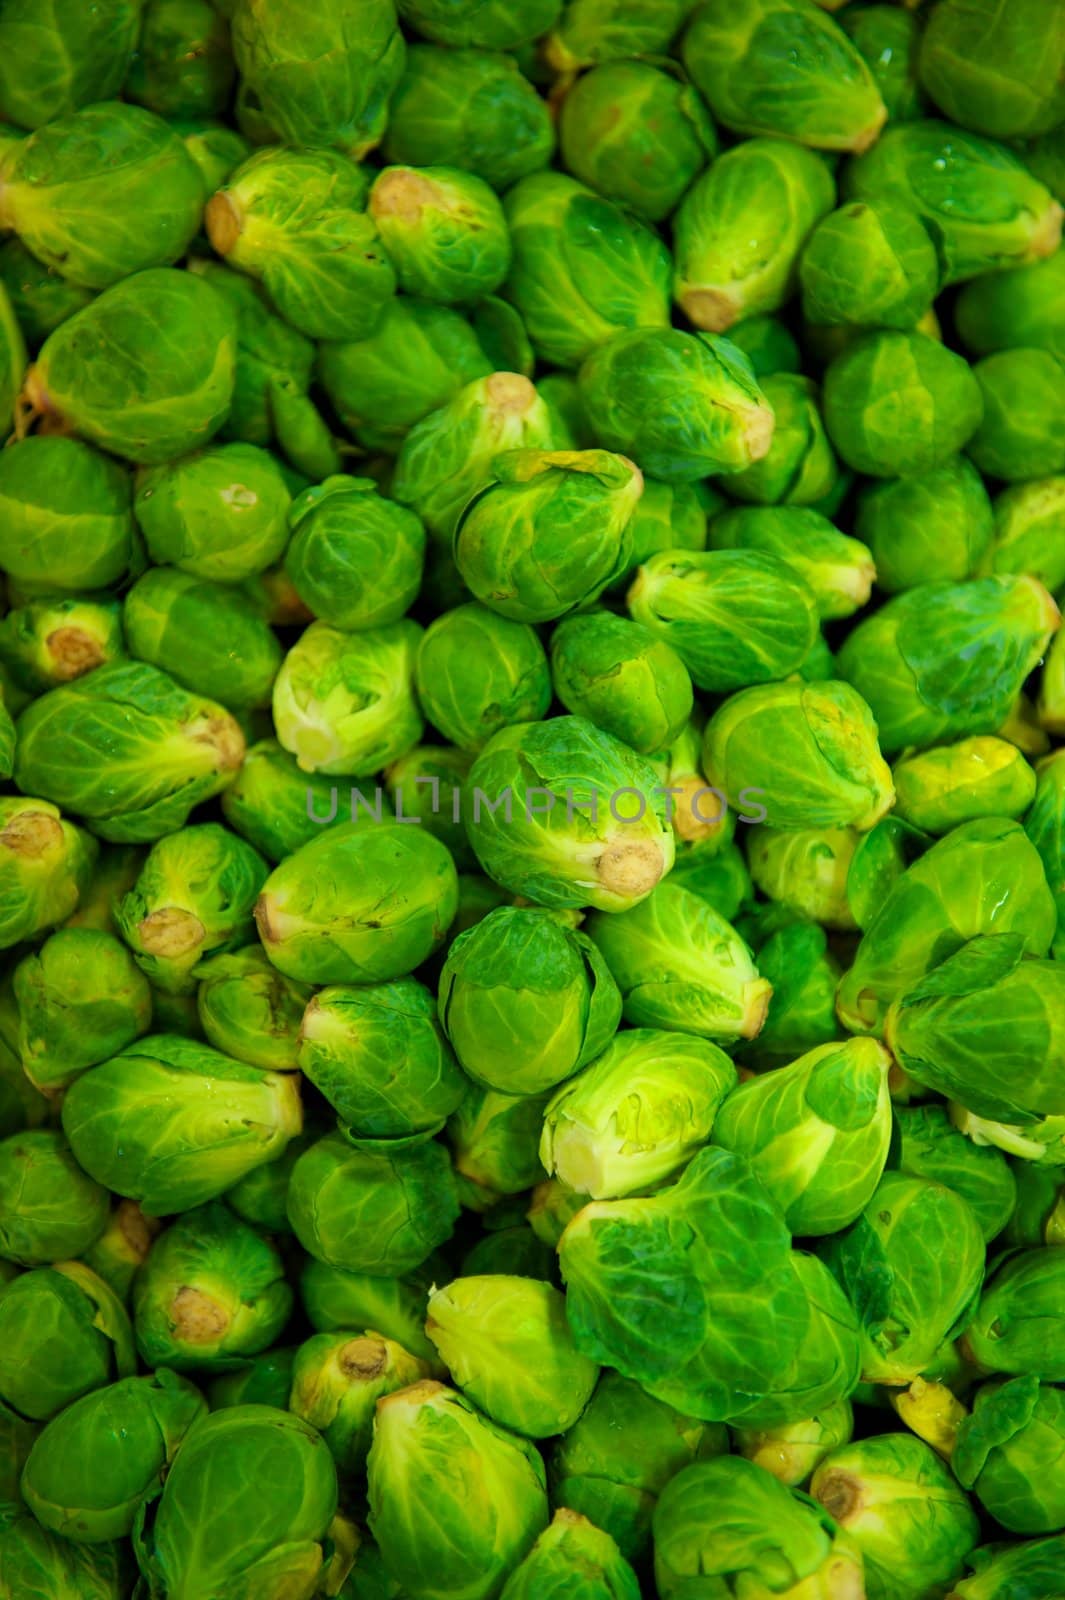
(1022, 390)
(133, 157)
(183, 66)
(783, 67)
(67, 523)
(1030, 531)
(59, 56)
(526, 1000)
(799, 468)
(590, 31)
(683, 405)
(888, 39)
(210, 637)
(732, 261)
(249, 1010)
(583, 269)
(996, 72)
(379, 1057)
(635, 1116)
(372, 1209)
(622, 678)
(637, 134)
(897, 404)
(1006, 311)
(477, 672)
(338, 1380)
(40, 300)
(443, 229)
(361, 903)
(48, 642)
(45, 867)
(64, 1333)
(931, 1147)
(568, 816)
(838, 570)
(494, 1139)
(805, 869)
(355, 559)
(937, 522)
(275, 806)
(292, 218)
(51, 1208)
(81, 999)
(221, 514)
(427, 787)
(344, 702)
(489, 24)
(981, 777)
(792, 1451)
(1009, 1454)
(869, 265)
(549, 533)
(1018, 1321)
(335, 1300)
(578, 1556)
(146, 370)
(735, 617)
(669, 516)
(469, 109)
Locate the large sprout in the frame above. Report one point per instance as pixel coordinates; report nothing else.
(60, 55)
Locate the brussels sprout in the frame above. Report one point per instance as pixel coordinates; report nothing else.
(216, 149)
(516, 1250)
(40, 300)
(508, 1347)
(80, 1000)
(1008, 310)
(45, 867)
(922, 1247)
(378, 1056)
(358, 904)
(583, 269)
(792, 1451)
(338, 1379)
(601, 850)
(590, 31)
(210, 637)
(416, 359)
(447, 456)
(816, 1132)
(219, 515)
(360, 1205)
(940, 521)
(325, 79)
(637, 134)
(427, 787)
(983, 209)
(980, 777)
(869, 265)
(173, 1123)
(1002, 1571)
(799, 467)
(547, 533)
(1021, 390)
(900, 404)
(96, 1463)
(902, 658)
(146, 370)
(1030, 531)
(122, 1248)
(62, 1334)
(444, 231)
(183, 66)
(983, 877)
(257, 1529)
(746, 1532)
(888, 38)
(490, 24)
(526, 1000)
(265, 1380)
(48, 642)
(355, 559)
(767, 344)
(274, 805)
(1017, 1326)
(66, 520)
(636, 1115)
(51, 1208)
(477, 672)
(344, 702)
(147, 751)
(121, 155)
(837, 569)
(16, 1441)
(907, 1518)
(783, 67)
(735, 617)
(468, 109)
(335, 1301)
(684, 405)
(494, 1142)
(622, 678)
(293, 219)
(668, 516)
(620, 1453)
(805, 753)
(114, 872)
(58, 55)
(996, 72)
(1009, 1454)
(731, 262)
(455, 1501)
(929, 1147)
(211, 1293)
(575, 1558)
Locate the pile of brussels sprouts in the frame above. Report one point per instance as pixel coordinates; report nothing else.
(532, 847)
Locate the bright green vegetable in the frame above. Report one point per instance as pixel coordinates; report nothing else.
(477, 672)
(64, 1334)
(81, 998)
